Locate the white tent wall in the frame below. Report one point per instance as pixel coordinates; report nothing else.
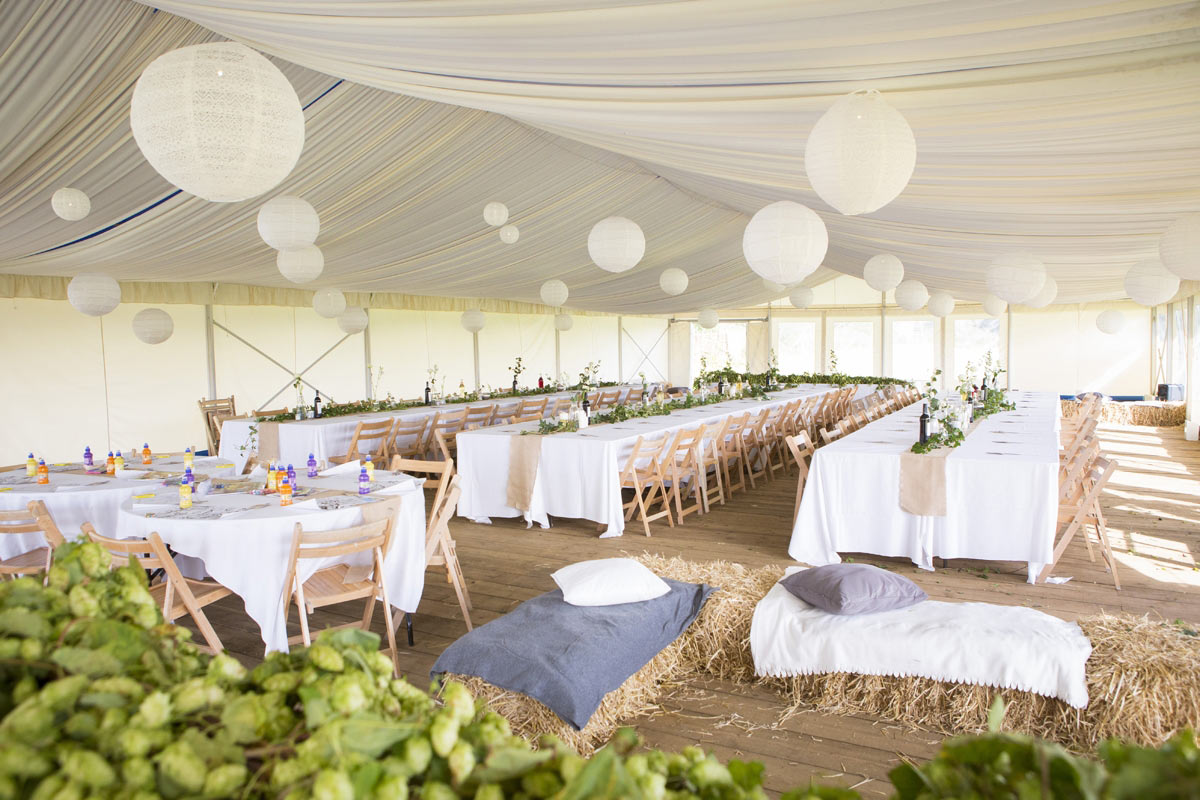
(591, 339)
(1060, 349)
(406, 344)
(644, 349)
(507, 337)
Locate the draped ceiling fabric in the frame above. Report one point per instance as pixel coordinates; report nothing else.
(1069, 128)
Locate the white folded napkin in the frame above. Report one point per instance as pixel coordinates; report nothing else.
(349, 468)
(125, 473)
(259, 473)
(204, 487)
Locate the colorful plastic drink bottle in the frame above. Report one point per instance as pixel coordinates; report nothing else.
(118, 462)
(189, 457)
(285, 493)
(291, 475)
(110, 464)
(364, 482)
(43, 472)
(87, 457)
(370, 465)
(272, 477)
(146, 457)
(185, 494)
(188, 477)
(312, 466)
(31, 466)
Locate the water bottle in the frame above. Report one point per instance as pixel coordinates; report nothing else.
(364, 482)
(43, 472)
(146, 457)
(31, 466)
(87, 457)
(312, 466)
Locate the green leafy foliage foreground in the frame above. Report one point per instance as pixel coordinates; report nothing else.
(100, 699)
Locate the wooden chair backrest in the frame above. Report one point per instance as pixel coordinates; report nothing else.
(560, 404)
(532, 405)
(439, 517)
(449, 421)
(408, 436)
(533, 416)
(712, 439)
(211, 408)
(609, 398)
(644, 453)
(341, 542)
(733, 430)
(635, 395)
(378, 431)
(437, 473)
(19, 520)
(684, 447)
(123, 549)
(802, 448)
(504, 412)
(480, 416)
(830, 436)
(271, 412)
(46, 523)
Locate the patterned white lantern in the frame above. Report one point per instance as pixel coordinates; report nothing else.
(785, 242)
(554, 292)
(941, 304)
(93, 294)
(509, 234)
(288, 223)
(329, 303)
(1016, 277)
(1150, 283)
(71, 204)
(153, 325)
(1110, 322)
(1046, 295)
(911, 295)
(353, 320)
(883, 272)
(708, 318)
(616, 244)
(495, 214)
(217, 120)
(302, 265)
(861, 153)
(473, 320)
(1179, 247)
(801, 297)
(994, 306)
(673, 281)
(563, 322)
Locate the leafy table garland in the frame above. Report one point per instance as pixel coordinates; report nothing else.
(627, 411)
(951, 435)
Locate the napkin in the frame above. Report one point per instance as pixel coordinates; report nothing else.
(349, 468)
(259, 473)
(204, 487)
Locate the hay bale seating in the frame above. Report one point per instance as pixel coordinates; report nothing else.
(1151, 414)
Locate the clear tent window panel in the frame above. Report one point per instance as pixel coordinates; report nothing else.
(973, 340)
(1178, 344)
(854, 345)
(914, 349)
(797, 351)
(718, 346)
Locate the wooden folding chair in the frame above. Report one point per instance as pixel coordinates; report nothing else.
(708, 456)
(801, 447)
(560, 404)
(643, 474)
(680, 466)
(505, 411)
(773, 434)
(608, 399)
(443, 433)
(532, 405)
(409, 437)
(732, 453)
(271, 412)
(533, 416)
(370, 440)
(34, 518)
(635, 396)
(209, 409)
(829, 437)
(479, 416)
(755, 447)
(437, 474)
(1081, 508)
(440, 548)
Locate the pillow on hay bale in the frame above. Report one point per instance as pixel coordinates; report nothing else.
(853, 589)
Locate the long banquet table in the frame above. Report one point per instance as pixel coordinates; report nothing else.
(1001, 492)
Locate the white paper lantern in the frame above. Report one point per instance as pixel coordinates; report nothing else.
(861, 153)
(217, 120)
(673, 281)
(776, 289)
(301, 265)
(563, 322)
(911, 295)
(708, 318)
(994, 306)
(1016, 277)
(288, 223)
(1110, 321)
(509, 234)
(71, 204)
(353, 320)
(1150, 283)
(941, 304)
(616, 244)
(554, 292)
(473, 320)
(1046, 295)
(1179, 247)
(93, 294)
(883, 272)
(785, 242)
(329, 303)
(153, 325)
(801, 297)
(495, 214)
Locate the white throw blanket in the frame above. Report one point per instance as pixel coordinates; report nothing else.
(1008, 647)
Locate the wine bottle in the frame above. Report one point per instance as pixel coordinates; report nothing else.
(720, 386)
(514, 384)
(925, 424)
(983, 391)
(587, 408)
(541, 383)
(317, 406)
(428, 394)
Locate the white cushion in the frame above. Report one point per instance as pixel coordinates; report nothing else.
(608, 582)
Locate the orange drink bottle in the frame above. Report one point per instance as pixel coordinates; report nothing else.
(43, 472)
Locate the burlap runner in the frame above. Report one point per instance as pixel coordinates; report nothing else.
(268, 441)
(524, 453)
(923, 483)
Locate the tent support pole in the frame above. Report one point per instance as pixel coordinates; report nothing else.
(210, 352)
(367, 355)
(883, 333)
(557, 353)
(475, 341)
(1008, 351)
(621, 349)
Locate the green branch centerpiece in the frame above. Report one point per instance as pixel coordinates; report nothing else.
(950, 434)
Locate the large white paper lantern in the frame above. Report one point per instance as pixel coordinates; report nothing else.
(1110, 322)
(218, 120)
(941, 304)
(708, 318)
(776, 289)
(616, 244)
(93, 294)
(554, 292)
(153, 325)
(1046, 295)
(301, 265)
(353, 320)
(673, 281)
(71, 204)
(472, 320)
(509, 234)
(911, 295)
(883, 272)
(861, 153)
(801, 297)
(785, 242)
(1150, 283)
(993, 306)
(329, 303)
(1016, 277)
(563, 322)
(1179, 247)
(288, 222)
(495, 214)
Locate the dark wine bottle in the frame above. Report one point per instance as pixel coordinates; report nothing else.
(720, 386)
(514, 384)
(428, 393)
(587, 408)
(983, 391)
(317, 406)
(925, 424)
(541, 383)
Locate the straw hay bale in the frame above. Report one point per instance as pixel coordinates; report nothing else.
(1150, 414)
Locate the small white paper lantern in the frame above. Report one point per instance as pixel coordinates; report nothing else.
(288, 223)
(1045, 295)
(911, 295)
(93, 294)
(473, 320)
(301, 265)
(673, 281)
(785, 242)
(554, 292)
(563, 322)
(495, 214)
(1179, 247)
(1110, 322)
(509, 234)
(616, 244)
(153, 325)
(71, 204)
(801, 297)
(329, 303)
(1016, 277)
(861, 153)
(1150, 283)
(883, 272)
(708, 318)
(353, 320)
(993, 306)
(941, 304)
(218, 120)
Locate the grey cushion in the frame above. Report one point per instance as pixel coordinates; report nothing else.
(853, 589)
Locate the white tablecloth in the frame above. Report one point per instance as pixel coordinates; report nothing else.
(579, 474)
(1001, 492)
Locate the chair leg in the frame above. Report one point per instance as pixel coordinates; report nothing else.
(304, 633)
(387, 613)
(409, 627)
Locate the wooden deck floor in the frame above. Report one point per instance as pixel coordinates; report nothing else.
(1153, 508)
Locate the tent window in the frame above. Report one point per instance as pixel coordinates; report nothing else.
(726, 343)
